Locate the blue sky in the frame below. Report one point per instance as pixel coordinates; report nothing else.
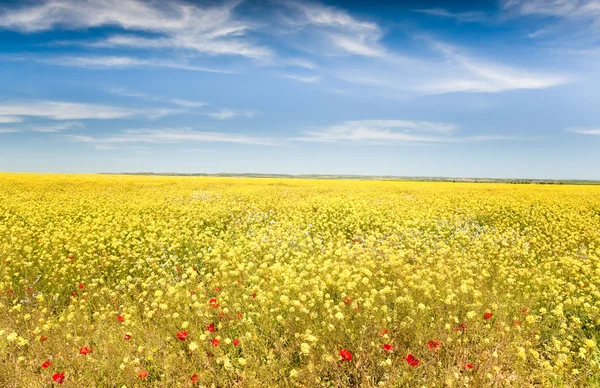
(504, 88)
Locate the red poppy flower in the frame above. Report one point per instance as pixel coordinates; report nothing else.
(215, 342)
(387, 347)
(383, 332)
(194, 379)
(126, 337)
(346, 355)
(461, 327)
(143, 374)
(81, 286)
(213, 303)
(253, 295)
(73, 293)
(182, 335)
(347, 300)
(58, 377)
(211, 328)
(524, 310)
(487, 315)
(240, 315)
(435, 344)
(46, 364)
(517, 323)
(412, 360)
(43, 338)
(120, 318)
(236, 342)
(468, 366)
(85, 350)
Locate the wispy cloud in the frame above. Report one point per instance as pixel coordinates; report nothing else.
(343, 32)
(10, 119)
(55, 127)
(584, 131)
(58, 110)
(121, 62)
(300, 78)
(169, 136)
(482, 76)
(226, 114)
(176, 101)
(8, 130)
(464, 17)
(210, 30)
(381, 132)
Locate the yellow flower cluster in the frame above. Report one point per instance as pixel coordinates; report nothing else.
(121, 281)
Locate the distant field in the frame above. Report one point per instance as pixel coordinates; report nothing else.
(111, 281)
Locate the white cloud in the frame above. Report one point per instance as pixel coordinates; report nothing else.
(10, 119)
(57, 110)
(584, 131)
(482, 76)
(454, 72)
(121, 62)
(8, 130)
(225, 114)
(391, 131)
(56, 127)
(169, 136)
(344, 32)
(176, 101)
(470, 16)
(210, 30)
(305, 79)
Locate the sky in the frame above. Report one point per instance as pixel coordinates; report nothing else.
(498, 89)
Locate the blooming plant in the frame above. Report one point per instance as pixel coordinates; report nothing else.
(163, 281)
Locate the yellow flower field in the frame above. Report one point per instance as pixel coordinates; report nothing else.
(111, 281)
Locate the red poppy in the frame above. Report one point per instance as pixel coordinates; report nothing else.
(143, 374)
(215, 342)
(46, 364)
(211, 328)
(468, 366)
(387, 347)
(524, 310)
(435, 344)
(236, 342)
(43, 338)
(213, 303)
(194, 379)
(253, 295)
(85, 350)
(461, 327)
(517, 323)
(73, 293)
(182, 335)
(346, 355)
(58, 377)
(347, 300)
(120, 318)
(127, 337)
(487, 315)
(412, 360)
(240, 315)
(383, 332)
(81, 286)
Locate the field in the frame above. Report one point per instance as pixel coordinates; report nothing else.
(111, 281)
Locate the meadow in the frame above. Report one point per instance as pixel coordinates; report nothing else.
(125, 281)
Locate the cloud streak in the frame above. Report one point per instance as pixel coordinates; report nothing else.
(207, 30)
(170, 136)
(584, 131)
(57, 110)
(385, 132)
